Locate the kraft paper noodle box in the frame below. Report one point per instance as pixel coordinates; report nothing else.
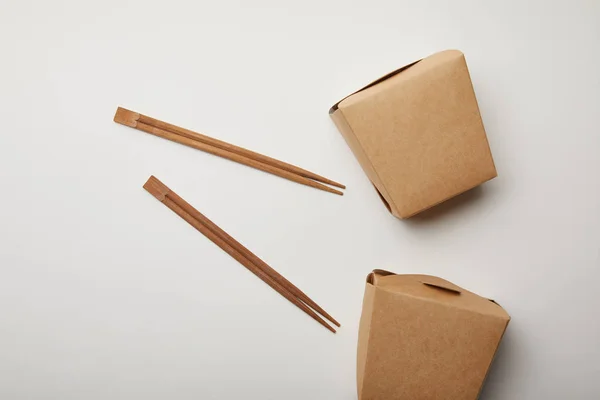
(424, 338)
(418, 134)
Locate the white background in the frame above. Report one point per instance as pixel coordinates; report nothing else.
(106, 294)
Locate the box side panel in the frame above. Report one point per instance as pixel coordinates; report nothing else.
(493, 173)
(342, 124)
(493, 357)
(363, 335)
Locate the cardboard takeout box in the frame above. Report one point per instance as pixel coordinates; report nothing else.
(424, 338)
(418, 134)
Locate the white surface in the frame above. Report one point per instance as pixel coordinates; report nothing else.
(104, 293)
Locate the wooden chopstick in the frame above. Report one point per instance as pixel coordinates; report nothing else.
(280, 279)
(232, 156)
(236, 149)
(235, 249)
(244, 261)
(227, 150)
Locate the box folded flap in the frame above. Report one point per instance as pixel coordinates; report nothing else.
(372, 278)
(437, 283)
(375, 82)
(435, 289)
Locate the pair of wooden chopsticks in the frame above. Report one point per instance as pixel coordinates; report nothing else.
(237, 251)
(225, 150)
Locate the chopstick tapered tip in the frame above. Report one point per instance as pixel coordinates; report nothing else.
(328, 317)
(156, 188)
(328, 189)
(334, 183)
(126, 117)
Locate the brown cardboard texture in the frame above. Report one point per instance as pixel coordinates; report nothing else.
(424, 338)
(418, 134)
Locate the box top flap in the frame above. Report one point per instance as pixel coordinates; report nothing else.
(433, 60)
(435, 289)
(434, 65)
(375, 82)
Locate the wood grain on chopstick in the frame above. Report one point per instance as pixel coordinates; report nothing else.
(227, 150)
(236, 250)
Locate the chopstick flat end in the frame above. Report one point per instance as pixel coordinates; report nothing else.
(156, 188)
(126, 117)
